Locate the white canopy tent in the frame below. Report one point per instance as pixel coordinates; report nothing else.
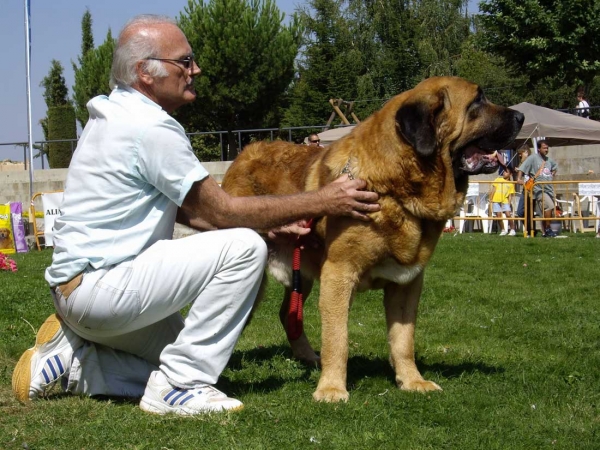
(558, 128)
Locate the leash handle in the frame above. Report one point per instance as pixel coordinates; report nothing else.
(295, 325)
(295, 313)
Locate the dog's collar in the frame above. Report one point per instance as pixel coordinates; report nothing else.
(347, 170)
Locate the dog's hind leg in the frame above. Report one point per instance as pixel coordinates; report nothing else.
(301, 348)
(401, 303)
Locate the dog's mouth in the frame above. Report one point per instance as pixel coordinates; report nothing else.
(475, 160)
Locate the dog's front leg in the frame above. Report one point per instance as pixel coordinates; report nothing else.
(401, 303)
(334, 302)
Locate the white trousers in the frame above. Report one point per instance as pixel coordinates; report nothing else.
(128, 314)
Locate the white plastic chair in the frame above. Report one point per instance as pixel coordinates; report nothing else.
(476, 205)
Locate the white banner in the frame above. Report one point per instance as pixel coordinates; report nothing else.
(51, 203)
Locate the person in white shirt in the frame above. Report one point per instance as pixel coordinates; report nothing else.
(583, 107)
(117, 278)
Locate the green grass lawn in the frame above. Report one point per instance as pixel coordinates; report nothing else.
(509, 327)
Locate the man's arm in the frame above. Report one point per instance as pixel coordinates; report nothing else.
(207, 206)
(519, 177)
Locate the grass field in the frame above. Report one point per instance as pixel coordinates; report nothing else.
(509, 327)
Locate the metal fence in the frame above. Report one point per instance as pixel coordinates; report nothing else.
(576, 209)
(242, 137)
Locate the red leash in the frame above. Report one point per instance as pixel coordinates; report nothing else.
(295, 325)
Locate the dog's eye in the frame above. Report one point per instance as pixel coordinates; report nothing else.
(478, 101)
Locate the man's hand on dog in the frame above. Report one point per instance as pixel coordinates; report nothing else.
(347, 198)
(290, 232)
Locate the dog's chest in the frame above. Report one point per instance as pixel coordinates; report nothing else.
(389, 270)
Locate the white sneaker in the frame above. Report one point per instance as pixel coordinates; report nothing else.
(40, 367)
(503, 233)
(512, 233)
(161, 397)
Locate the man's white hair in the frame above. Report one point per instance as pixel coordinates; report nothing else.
(137, 47)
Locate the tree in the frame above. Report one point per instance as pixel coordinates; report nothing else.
(55, 87)
(87, 37)
(387, 33)
(59, 122)
(325, 70)
(552, 40)
(443, 27)
(61, 126)
(247, 60)
(92, 76)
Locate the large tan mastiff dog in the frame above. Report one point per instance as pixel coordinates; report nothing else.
(417, 153)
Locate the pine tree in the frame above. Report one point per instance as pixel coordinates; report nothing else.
(87, 38)
(247, 59)
(55, 87)
(92, 76)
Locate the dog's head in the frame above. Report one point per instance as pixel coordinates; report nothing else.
(449, 114)
(4, 233)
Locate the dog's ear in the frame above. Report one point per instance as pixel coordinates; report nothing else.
(416, 122)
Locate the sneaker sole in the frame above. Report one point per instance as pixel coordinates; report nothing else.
(162, 409)
(21, 379)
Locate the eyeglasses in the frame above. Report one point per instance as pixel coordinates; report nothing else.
(187, 62)
(315, 142)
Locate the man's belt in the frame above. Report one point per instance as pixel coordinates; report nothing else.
(67, 288)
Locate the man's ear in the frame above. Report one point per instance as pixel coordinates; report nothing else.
(142, 73)
(416, 123)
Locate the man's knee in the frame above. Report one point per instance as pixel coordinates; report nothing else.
(255, 244)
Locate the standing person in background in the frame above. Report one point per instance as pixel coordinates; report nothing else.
(501, 194)
(524, 152)
(543, 169)
(583, 107)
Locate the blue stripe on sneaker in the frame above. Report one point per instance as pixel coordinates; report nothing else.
(177, 397)
(59, 363)
(46, 377)
(186, 399)
(52, 369)
(171, 393)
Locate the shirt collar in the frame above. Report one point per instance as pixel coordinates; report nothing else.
(137, 94)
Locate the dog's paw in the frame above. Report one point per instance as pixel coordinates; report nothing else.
(302, 351)
(331, 395)
(419, 386)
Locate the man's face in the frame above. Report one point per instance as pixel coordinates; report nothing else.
(314, 140)
(544, 149)
(177, 88)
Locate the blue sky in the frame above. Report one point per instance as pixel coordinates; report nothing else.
(56, 34)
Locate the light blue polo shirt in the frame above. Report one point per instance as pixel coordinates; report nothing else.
(132, 168)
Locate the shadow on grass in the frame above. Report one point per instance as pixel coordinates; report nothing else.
(359, 367)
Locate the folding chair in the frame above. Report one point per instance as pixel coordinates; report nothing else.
(51, 202)
(476, 205)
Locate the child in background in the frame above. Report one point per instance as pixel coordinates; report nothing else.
(501, 195)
